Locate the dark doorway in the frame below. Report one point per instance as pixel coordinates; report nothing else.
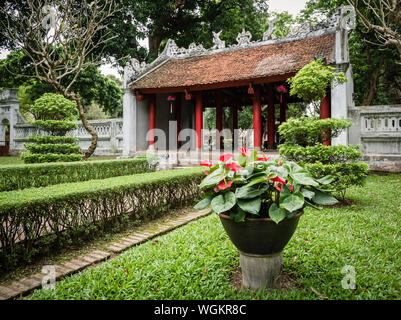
(5, 147)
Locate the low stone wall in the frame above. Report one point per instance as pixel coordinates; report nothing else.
(110, 134)
(378, 130)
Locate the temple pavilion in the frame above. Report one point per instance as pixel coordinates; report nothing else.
(178, 86)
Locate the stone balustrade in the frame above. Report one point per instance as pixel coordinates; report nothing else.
(110, 136)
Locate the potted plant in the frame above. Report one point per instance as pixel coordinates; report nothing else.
(259, 202)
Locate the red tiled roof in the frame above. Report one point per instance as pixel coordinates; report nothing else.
(246, 64)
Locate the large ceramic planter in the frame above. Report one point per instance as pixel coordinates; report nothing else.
(260, 243)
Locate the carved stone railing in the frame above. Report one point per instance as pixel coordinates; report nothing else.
(110, 136)
(378, 130)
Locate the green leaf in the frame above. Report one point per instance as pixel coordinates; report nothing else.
(252, 206)
(304, 179)
(326, 180)
(238, 215)
(250, 192)
(212, 179)
(257, 178)
(242, 160)
(223, 203)
(204, 203)
(324, 199)
(276, 214)
(293, 202)
(307, 193)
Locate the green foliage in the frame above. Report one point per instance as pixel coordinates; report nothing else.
(312, 81)
(307, 131)
(364, 235)
(70, 213)
(258, 187)
(320, 153)
(303, 144)
(30, 157)
(52, 106)
(54, 114)
(14, 177)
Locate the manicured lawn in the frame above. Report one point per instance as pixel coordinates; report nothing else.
(10, 160)
(196, 261)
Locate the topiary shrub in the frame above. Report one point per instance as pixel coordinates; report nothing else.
(55, 115)
(303, 144)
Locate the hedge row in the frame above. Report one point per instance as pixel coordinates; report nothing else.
(16, 177)
(41, 220)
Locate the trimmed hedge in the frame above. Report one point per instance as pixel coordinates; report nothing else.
(14, 177)
(40, 220)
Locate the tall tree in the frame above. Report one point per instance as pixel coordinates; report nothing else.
(62, 38)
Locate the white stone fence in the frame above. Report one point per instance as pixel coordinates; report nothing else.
(378, 130)
(110, 134)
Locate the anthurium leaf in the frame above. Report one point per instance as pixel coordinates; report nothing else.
(257, 178)
(326, 180)
(238, 215)
(252, 206)
(282, 172)
(250, 192)
(312, 205)
(323, 198)
(307, 193)
(223, 203)
(303, 178)
(293, 202)
(285, 191)
(276, 214)
(214, 178)
(204, 203)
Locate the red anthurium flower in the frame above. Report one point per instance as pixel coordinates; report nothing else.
(279, 163)
(291, 188)
(206, 163)
(244, 151)
(264, 158)
(224, 184)
(206, 173)
(278, 187)
(278, 179)
(233, 166)
(225, 157)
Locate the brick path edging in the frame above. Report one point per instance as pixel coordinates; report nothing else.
(27, 285)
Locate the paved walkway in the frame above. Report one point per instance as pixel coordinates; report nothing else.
(27, 285)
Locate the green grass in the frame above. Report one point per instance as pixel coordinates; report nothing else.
(11, 160)
(196, 261)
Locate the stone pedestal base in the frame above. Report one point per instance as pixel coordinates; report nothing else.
(260, 271)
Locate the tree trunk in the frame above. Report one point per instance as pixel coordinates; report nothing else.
(372, 84)
(154, 44)
(85, 123)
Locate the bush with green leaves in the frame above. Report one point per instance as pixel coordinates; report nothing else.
(304, 145)
(313, 80)
(307, 131)
(259, 187)
(14, 177)
(55, 115)
(38, 221)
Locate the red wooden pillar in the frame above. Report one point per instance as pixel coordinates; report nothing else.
(152, 119)
(283, 109)
(257, 119)
(178, 115)
(235, 107)
(219, 115)
(198, 120)
(325, 112)
(270, 117)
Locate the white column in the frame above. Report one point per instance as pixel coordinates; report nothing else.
(129, 122)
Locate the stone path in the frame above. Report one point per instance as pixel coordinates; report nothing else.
(27, 285)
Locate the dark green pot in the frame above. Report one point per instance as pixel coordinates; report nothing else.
(260, 236)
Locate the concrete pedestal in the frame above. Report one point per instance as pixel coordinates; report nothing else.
(260, 271)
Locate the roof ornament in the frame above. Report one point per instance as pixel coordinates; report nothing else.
(218, 43)
(244, 38)
(132, 69)
(300, 31)
(269, 32)
(195, 49)
(348, 18)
